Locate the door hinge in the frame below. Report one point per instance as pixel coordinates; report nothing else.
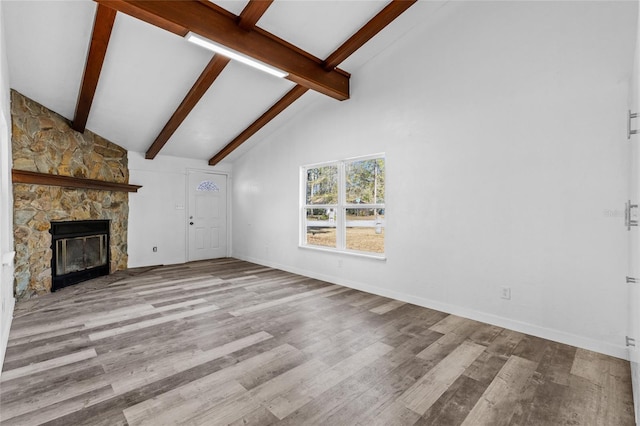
(628, 222)
(630, 341)
(632, 280)
(630, 131)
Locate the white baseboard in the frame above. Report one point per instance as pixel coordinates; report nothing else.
(522, 327)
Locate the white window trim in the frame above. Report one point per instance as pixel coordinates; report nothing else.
(340, 208)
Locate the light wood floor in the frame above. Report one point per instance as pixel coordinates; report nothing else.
(229, 342)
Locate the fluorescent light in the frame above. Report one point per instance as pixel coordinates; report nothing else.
(231, 54)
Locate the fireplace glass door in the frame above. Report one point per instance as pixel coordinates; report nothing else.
(80, 253)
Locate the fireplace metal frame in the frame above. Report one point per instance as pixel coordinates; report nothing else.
(75, 229)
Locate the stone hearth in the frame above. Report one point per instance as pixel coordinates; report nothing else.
(44, 142)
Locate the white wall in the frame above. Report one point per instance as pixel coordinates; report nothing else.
(504, 127)
(6, 201)
(157, 212)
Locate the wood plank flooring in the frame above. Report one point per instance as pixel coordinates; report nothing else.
(229, 342)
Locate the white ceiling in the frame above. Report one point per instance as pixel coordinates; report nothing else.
(148, 71)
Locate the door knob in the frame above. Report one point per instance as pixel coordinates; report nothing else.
(190, 223)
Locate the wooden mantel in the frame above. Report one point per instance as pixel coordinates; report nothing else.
(23, 176)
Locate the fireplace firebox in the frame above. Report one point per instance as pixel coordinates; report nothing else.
(80, 251)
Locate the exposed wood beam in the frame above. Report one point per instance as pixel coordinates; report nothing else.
(297, 49)
(144, 15)
(102, 26)
(194, 16)
(367, 32)
(206, 79)
(248, 18)
(276, 109)
(252, 13)
(370, 29)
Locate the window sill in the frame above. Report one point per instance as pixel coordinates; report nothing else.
(373, 256)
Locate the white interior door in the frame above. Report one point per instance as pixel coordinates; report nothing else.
(207, 215)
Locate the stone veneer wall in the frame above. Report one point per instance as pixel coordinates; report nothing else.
(44, 142)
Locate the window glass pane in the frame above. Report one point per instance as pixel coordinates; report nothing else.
(321, 227)
(207, 185)
(365, 230)
(75, 255)
(365, 181)
(322, 185)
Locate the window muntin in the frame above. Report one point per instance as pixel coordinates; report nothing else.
(343, 206)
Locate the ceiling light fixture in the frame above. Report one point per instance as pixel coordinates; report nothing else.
(231, 54)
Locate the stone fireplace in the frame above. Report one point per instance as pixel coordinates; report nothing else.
(43, 142)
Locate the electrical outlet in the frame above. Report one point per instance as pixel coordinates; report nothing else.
(155, 249)
(505, 293)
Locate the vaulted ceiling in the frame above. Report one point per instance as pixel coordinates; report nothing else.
(124, 70)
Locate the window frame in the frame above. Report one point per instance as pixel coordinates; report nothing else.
(340, 207)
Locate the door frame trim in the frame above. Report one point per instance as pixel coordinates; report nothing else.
(228, 222)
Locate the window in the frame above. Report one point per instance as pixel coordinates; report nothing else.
(343, 206)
